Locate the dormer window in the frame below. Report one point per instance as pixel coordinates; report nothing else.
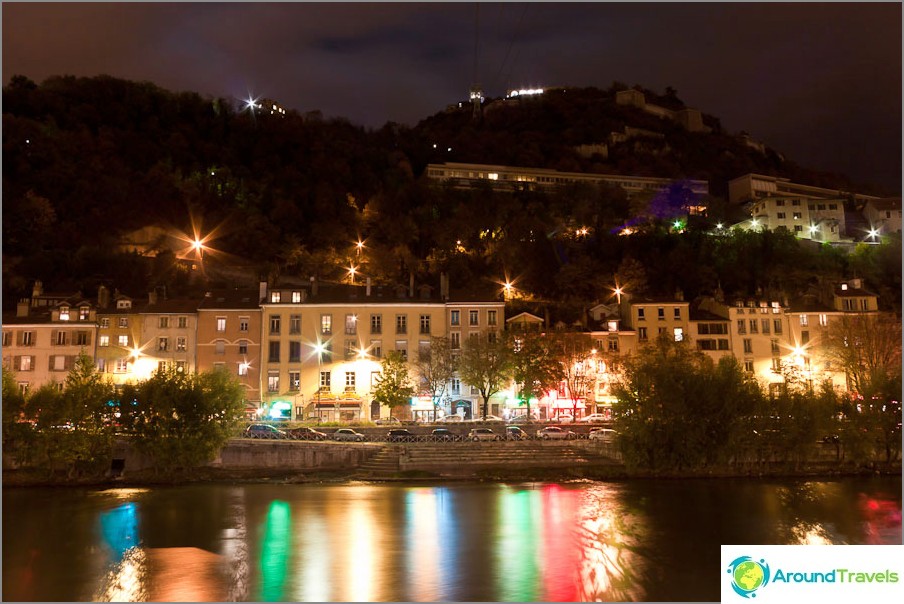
(83, 312)
(64, 313)
(844, 287)
(274, 297)
(124, 304)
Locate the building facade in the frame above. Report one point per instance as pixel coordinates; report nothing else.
(229, 339)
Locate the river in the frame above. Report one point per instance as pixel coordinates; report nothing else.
(653, 540)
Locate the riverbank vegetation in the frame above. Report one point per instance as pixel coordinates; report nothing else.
(179, 420)
(680, 410)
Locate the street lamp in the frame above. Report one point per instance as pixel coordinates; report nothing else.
(319, 348)
(351, 274)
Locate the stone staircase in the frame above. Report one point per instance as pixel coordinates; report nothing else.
(462, 459)
(384, 463)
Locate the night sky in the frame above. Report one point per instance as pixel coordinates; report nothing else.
(820, 83)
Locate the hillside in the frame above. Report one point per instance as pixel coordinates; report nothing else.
(88, 160)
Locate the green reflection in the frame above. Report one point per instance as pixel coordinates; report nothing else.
(516, 554)
(275, 552)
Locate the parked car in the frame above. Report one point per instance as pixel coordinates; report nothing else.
(523, 419)
(263, 431)
(555, 433)
(562, 418)
(347, 434)
(594, 417)
(483, 434)
(450, 419)
(515, 433)
(388, 421)
(305, 433)
(491, 418)
(400, 435)
(604, 434)
(444, 434)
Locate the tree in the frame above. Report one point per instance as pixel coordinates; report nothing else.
(681, 410)
(18, 432)
(535, 367)
(184, 419)
(435, 367)
(576, 355)
(393, 388)
(868, 349)
(485, 364)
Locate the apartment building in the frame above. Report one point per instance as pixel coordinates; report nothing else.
(817, 219)
(229, 338)
(118, 337)
(811, 317)
(322, 345)
(651, 318)
(168, 333)
(510, 178)
(46, 334)
(884, 215)
(751, 187)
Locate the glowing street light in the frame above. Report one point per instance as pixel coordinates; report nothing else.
(719, 226)
(319, 348)
(813, 229)
(351, 274)
(618, 292)
(507, 286)
(873, 233)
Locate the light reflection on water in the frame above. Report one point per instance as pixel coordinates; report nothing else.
(492, 542)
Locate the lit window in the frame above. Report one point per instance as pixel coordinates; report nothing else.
(296, 297)
(221, 324)
(123, 340)
(326, 324)
(64, 313)
(274, 297)
(103, 341)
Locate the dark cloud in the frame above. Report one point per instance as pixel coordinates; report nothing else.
(819, 82)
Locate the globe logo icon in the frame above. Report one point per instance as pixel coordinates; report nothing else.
(748, 575)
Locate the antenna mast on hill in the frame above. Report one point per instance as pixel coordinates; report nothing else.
(475, 93)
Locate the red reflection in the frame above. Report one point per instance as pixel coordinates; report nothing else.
(560, 558)
(882, 520)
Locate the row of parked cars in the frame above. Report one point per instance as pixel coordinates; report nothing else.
(303, 433)
(266, 431)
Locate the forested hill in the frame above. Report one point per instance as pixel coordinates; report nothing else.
(86, 160)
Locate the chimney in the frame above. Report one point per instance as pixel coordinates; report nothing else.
(411, 284)
(313, 286)
(22, 308)
(152, 297)
(36, 292)
(103, 297)
(443, 286)
(367, 290)
(679, 295)
(262, 294)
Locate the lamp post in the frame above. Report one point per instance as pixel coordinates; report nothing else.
(319, 350)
